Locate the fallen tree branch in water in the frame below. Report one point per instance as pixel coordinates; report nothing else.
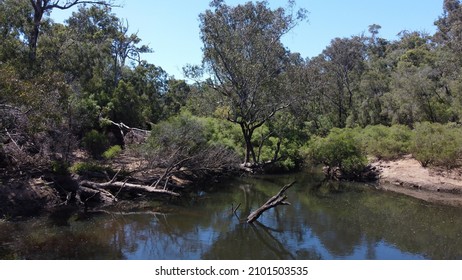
(89, 193)
(234, 210)
(122, 213)
(117, 186)
(278, 199)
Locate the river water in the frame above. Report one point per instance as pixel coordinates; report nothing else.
(327, 220)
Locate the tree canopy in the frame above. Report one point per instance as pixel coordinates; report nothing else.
(60, 81)
(248, 63)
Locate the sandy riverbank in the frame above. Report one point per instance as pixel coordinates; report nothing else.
(434, 185)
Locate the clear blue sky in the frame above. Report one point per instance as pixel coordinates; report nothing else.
(171, 27)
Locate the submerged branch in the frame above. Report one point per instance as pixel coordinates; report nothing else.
(278, 199)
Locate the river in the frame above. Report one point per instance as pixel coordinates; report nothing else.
(329, 220)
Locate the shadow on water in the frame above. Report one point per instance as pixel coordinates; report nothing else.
(326, 220)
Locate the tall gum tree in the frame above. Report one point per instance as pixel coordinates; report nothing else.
(42, 7)
(247, 61)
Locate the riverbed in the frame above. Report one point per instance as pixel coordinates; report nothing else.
(326, 220)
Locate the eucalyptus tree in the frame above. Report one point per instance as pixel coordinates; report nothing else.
(14, 25)
(125, 47)
(44, 7)
(96, 55)
(449, 41)
(247, 61)
(416, 90)
(449, 26)
(344, 64)
(312, 108)
(375, 80)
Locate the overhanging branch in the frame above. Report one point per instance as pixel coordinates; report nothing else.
(70, 4)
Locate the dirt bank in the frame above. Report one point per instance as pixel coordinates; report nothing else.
(30, 191)
(434, 185)
(20, 196)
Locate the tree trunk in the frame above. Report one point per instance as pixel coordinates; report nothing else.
(92, 194)
(122, 186)
(249, 151)
(33, 40)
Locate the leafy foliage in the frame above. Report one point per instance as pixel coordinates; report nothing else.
(112, 152)
(95, 143)
(260, 102)
(437, 144)
(244, 54)
(181, 143)
(82, 168)
(340, 148)
(385, 142)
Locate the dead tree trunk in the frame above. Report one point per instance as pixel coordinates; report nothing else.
(126, 134)
(86, 194)
(278, 199)
(118, 186)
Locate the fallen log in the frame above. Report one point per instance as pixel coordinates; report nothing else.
(87, 194)
(118, 186)
(278, 199)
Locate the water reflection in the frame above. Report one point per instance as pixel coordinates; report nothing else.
(325, 221)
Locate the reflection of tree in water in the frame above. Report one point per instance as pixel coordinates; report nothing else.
(271, 239)
(336, 222)
(38, 241)
(254, 242)
(7, 238)
(350, 216)
(338, 236)
(142, 236)
(343, 220)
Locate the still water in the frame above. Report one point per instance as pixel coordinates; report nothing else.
(325, 221)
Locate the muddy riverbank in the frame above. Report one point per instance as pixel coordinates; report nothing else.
(407, 176)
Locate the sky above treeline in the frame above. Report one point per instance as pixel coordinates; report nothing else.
(171, 28)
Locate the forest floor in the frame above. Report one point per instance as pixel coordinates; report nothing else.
(407, 176)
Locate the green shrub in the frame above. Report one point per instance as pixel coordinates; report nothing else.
(221, 132)
(112, 152)
(85, 167)
(385, 142)
(181, 142)
(179, 132)
(437, 144)
(59, 167)
(340, 148)
(95, 143)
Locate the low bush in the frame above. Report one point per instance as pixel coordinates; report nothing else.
(339, 149)
(85, 167)
(430, 143)
(437, 144)
(59, 167)
(385, 142)
(181, 143)
(220, 132)
(95, 143)
(112, 152)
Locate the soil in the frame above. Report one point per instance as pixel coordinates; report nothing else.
(21, 196)
(407, 176)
